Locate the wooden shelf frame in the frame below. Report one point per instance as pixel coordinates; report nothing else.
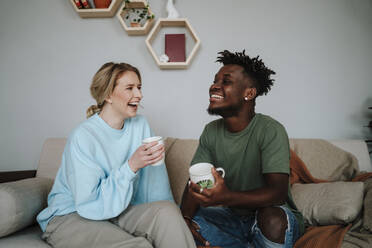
(98, 12)
(135, 4)
(178, 22)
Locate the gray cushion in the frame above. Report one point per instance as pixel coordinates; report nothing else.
(329, 203)
(325, 160)
(20, 202)
(367, 216)
(29, 237)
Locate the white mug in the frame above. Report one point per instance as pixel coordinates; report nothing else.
(201, 174)
(160, 140)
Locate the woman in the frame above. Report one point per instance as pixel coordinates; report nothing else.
(105, 193)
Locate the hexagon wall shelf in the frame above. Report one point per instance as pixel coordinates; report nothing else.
(91, 13)
(165, 22)
(134, 4)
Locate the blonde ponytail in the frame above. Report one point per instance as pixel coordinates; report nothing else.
(93, 109)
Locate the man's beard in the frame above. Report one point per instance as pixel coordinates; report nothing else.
(225, 112)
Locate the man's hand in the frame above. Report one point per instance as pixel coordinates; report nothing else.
(211, 197)
(192, 194)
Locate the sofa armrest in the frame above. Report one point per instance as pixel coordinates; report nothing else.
(9, 176)
(21, 201)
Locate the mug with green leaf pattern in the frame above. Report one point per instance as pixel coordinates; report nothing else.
(201, 174)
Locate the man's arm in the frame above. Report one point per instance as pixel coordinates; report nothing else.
(189, 206)
(273, 193)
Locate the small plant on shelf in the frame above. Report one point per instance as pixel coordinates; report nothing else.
(137, 16)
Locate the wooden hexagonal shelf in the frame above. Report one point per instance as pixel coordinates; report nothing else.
(97, 12)
(144, 26)
(179, 22)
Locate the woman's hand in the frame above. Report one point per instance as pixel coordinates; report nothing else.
(145, 155)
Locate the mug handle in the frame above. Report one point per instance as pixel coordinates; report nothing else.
(222, 170)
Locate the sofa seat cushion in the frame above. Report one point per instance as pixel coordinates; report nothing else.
(29, 237)
(21, 201)
(329, 203)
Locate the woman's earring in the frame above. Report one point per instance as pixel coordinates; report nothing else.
(246, 98)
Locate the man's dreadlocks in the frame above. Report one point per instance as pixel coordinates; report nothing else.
(253, 67)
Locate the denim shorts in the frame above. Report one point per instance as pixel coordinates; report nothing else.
(222, 227)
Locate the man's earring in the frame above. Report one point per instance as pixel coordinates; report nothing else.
(246, 98)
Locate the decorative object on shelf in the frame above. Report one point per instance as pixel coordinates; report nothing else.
(86, 4)
(172, 12)
(102, 4)
(78, 4)
(174, 44)
(92, 4)
(97, 12)
(163, 58)
(175, 47)
(136, 17)
(179, 22)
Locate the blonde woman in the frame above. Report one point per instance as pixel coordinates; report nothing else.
(105, 193)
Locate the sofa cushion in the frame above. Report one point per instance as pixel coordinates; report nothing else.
(359, 149)
(367, 216)
(21, 201)
(325, 160)
(178, 155)
(328, 203)
(29, 237)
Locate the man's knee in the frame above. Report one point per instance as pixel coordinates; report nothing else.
(273, 223)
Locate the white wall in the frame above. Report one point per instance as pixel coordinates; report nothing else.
(320, 49)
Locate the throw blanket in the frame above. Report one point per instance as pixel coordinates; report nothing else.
(318, 236)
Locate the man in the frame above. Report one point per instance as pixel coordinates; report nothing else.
(252, 206)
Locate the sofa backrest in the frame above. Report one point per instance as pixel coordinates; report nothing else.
(179, 153)
(50, 158)
(325, 160)
(178, 156)
(359, 149)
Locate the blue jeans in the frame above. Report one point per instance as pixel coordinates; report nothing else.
(222, 227)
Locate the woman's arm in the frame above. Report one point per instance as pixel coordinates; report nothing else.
(97, 196)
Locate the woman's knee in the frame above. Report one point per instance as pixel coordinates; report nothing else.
(168, 209)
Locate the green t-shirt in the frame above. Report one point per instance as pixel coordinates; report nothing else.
(262, 147)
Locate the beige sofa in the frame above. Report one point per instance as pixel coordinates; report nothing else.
(20, 201)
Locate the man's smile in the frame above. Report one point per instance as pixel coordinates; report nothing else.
(215, 97)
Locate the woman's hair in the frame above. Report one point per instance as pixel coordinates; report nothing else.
(104, 82)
